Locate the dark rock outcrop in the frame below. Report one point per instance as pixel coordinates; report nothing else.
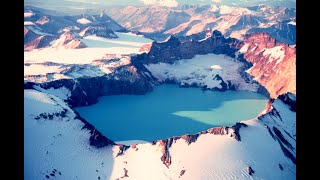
(96, 138)
(173, 49)
(86, 91)
(250, 170)
(289, 99)
(122, 149)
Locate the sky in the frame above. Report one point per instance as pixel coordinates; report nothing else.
(87, 4)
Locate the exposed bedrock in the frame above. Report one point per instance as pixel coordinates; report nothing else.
(86, 90)
(274, 63)
(174, 49)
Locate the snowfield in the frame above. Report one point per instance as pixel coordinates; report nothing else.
(84, 21)
(28, 23)
(28, 14)
(53, 63)
(59, 148)
(276, 53)
(73, 56)
(201, 70)
(47, 71)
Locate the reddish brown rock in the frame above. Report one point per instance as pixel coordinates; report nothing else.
(278, 77)
(69, 41)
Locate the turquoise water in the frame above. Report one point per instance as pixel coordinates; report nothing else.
(170, 111)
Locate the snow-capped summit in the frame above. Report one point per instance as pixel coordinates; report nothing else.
(68, 40)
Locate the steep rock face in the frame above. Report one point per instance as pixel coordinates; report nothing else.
(68, 40)
(29, 36)
(280, 120)
(173, 49)
(86, 91)
(274, 63)
(100, 30)
(33, 40)
(39, 42)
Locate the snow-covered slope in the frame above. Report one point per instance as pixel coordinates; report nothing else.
(210, 71)
(71, 56)
(55, 143)
(57, 146)
(68, 40)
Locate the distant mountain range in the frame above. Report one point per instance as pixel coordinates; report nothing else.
(40, 28)
(159, 22)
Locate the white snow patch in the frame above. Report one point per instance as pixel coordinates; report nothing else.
(40, 69)
(106, 42)
(84, 21)
(234, 10)
(28, 14)
(62, 92)
(244, 48)
(204, 39)
(28, 23)
(216, 67)
(276, 53)
(292, 23)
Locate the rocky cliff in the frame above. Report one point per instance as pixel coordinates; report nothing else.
(173, 48)
(86, 90)
(274, 63)
(33, 40)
